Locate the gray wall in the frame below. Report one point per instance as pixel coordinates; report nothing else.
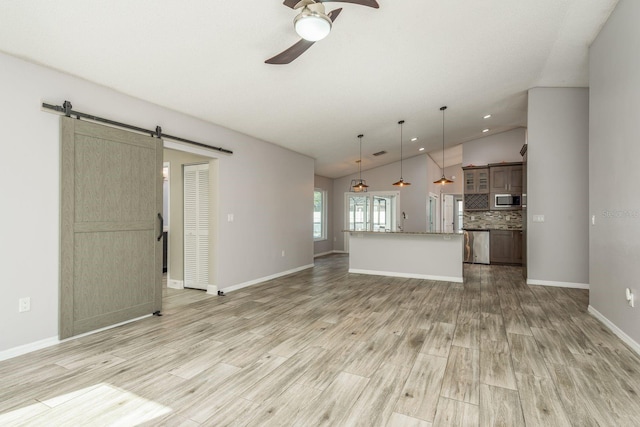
(501, 147)
(269, 190)
(324, 246)
(613, 170)
(413, 199)
(558, 186)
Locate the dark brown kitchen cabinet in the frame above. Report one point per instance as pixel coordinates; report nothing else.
(506, 178)
(517, 246)
(505, 246)
(476, 180)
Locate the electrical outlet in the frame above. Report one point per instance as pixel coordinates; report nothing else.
(24, 304)
(593, 220)
(283, 252)
(630, 297)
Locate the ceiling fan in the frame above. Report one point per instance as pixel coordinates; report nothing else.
(312, 24)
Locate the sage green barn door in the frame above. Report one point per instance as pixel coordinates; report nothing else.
(110, 254)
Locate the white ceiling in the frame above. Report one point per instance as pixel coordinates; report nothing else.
(402, 61)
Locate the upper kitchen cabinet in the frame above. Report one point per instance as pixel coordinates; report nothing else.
(476, 180)
(505, 178)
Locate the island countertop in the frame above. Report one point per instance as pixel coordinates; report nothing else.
(426, 233)
(420, 255)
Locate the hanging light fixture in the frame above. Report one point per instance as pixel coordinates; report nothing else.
(401, 183)
(444, 179)
(359, 185)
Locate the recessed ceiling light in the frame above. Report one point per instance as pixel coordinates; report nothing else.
(414, 139)
(485, 130)
(421, 149)
(488, 116)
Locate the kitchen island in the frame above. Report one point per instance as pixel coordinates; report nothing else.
(421, 255)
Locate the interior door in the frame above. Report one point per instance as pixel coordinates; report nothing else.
(447, 213)
(196, 226)
(432, 218)
(110, 242)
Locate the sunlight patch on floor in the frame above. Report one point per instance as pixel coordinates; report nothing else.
(101, 404)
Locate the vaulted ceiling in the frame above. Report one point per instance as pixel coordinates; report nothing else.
(402, 61)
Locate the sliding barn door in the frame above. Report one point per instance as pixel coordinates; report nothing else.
(110, 255)
(196, 226)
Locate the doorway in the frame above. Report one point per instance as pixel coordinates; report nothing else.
(432, 213)
(181, 159)
(373, 211)
(452, 213)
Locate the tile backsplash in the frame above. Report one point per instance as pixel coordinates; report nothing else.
(501, 220)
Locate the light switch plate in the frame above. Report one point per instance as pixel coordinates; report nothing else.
(538, 218)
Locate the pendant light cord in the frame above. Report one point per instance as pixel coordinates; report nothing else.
(360, 162)
(442, 109)
(401, 122)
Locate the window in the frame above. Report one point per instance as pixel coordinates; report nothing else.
(319, 214)
(375, 211)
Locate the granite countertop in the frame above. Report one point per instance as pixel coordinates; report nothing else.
(493, 228)
(436, 233)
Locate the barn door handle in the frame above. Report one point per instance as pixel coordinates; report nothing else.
(161, 226)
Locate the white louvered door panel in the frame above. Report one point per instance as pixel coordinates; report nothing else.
(196, 226)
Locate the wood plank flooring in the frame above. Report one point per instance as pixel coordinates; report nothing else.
(325, 347)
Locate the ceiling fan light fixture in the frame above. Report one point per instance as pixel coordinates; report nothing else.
(312, 25)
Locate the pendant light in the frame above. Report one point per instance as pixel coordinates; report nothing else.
(401, 183)
(359, 184)
(444, 179)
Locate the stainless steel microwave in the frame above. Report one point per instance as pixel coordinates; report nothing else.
(507, 200)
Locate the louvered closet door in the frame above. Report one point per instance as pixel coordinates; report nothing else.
(196, 226)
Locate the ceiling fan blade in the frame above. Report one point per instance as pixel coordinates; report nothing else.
(370, 3)
(290, 54)
(334, 14)
(299, 48)
(291, 3)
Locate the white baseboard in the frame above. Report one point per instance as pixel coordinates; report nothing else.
(323, 254)
(265, 279)
(212, 290)
(619, 332)
(536, 282)
(48, 342)
(340, 252)
(28, 348)
(407, 275)
(175, 284)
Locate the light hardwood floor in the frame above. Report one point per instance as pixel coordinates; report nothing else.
(324, 347)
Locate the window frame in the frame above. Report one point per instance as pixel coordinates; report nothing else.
(370, 220)
(323, 215)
